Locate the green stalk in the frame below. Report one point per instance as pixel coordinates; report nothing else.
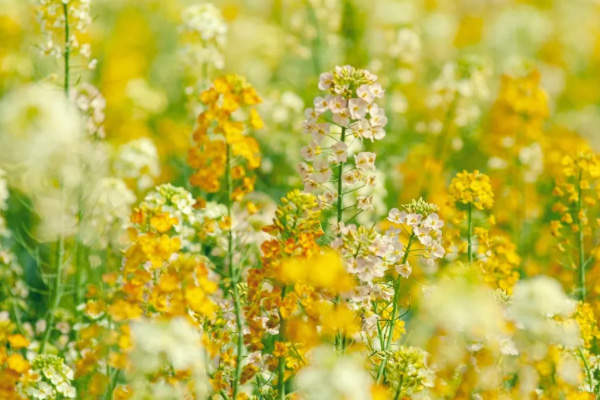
(340, 199)
(281, 366)
(388, 342)
(234, 276)
(580, 241)
(67, 48)
(56, 294)
(470, 234)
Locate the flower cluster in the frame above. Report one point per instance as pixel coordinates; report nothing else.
(65, 25)
(472, 188)
(338, 124)
(48, 378)
(222, 145)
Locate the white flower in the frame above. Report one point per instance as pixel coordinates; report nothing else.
(413, 220)
(433, 221)
(404, 269)
(376, 90)
(365, 202)
(340, 152)
(358, 108)
(365, 160)
(319, 132)
(337, 104)
(310, 152)
(321, 105)
(362, 129)
(364, 93)
(396, 216)
(322, 172)
(325, 80)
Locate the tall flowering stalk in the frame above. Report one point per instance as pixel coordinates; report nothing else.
(420, 222)
(338, 124)
(471, 190)
(574, 193)
(223, 152)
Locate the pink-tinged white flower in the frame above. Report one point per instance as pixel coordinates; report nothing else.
(321, 105)
(337, 104)
(380, 247)
(322, 172)
(365, 161)
(303, 169)
(330, 196)
(310, 152)
(373, 109)
(437, 250)
(378, 133)
(342, 118)
(310, 186)
(396, 216)
(340, 152)
(320, 131)
(404, 269)
(325, 80)
(422, 234)
(308, 126)
(364, 93)
(362, 129)
(413, 220)
(366, 268)
(349, 178)
(379, 119)
(310, 113)
(365, 203)
(376, 90)
(433, 221)
(358, 108)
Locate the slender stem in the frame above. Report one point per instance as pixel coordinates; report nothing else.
(340, 193)
(580, 241)
(234, 276)
(67, 48)
(281, 366)
(392, 321)
(316, 42)
(399, 391)
(56, 294)
(470, 234)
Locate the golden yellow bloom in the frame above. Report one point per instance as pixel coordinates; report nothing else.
(472, 188)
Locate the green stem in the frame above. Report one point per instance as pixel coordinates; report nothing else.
(399, 391)
(57, 293)
(234, 276)
(281, 366)
(67, 48)
(316, 43)
(580, 241)
(392, 321)
(340, 192)
(470, 234)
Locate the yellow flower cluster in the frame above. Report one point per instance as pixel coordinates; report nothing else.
(221, 139)
(472, 188)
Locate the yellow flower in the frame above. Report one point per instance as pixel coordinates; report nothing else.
(472, 188)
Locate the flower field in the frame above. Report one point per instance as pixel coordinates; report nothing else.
(300, 199)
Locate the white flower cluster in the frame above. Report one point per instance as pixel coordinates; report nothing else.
(423, 226)
(542, 313)
(458, 92)
(107, 212)
(138, 160)
(338, 124)
(173, 344)
(51, 17)
(204, 34)
(177, 201)
(91, 104)
(329, 376)
(49, 378)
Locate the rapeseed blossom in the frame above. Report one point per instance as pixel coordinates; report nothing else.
(427, 228)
